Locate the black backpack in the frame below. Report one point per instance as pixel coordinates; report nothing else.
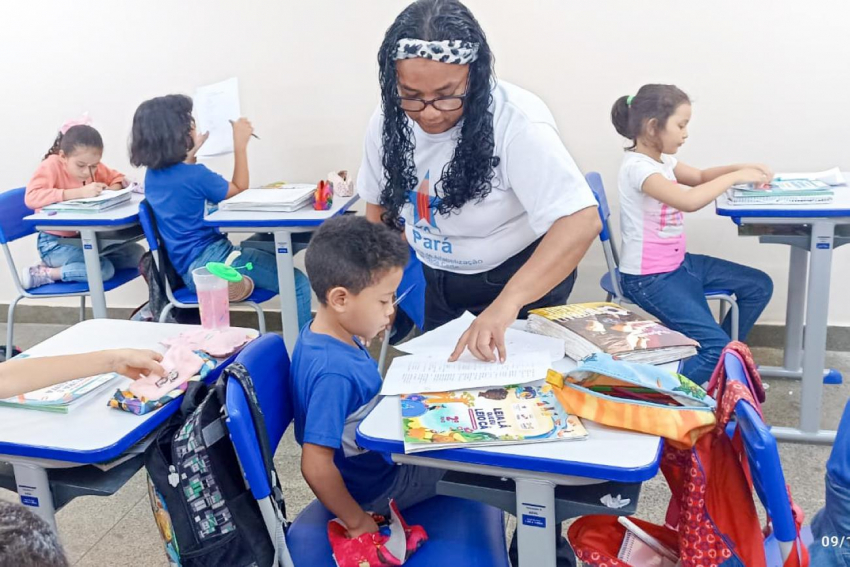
(201, 503)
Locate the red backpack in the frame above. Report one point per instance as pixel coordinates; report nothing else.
(712, 503)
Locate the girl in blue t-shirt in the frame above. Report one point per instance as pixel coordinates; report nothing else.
(164, 140)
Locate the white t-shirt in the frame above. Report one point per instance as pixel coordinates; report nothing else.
(536, 183)
(653, 233)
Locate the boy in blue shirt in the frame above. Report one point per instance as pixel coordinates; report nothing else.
(355, 267)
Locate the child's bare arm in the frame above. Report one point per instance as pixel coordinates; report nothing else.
(693, 199)
(691, 176)
(320, 472)
(21, 375)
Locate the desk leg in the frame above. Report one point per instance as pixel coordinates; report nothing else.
(34, 490)
(814, 342)
(286, 286)
(95, 276)
(795, 309)
(535, 518)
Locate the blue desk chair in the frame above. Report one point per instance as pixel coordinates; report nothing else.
(182, 297)
(766, 470)
(610, 282)
(13, 227)
(462, 531)
(412, 286)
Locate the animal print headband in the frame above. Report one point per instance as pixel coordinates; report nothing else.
(452, 51)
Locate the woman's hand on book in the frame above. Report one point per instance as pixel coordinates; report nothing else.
(485, 337)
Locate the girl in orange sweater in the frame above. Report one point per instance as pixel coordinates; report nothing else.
(72, 169)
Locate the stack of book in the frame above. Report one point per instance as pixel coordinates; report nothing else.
(782, 192)
(106, 200)
(588, 328)
(61, 398)
(285, 199)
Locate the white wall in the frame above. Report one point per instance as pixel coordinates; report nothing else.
(770, 81)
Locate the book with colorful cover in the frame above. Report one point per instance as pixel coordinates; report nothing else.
(528, 413)
(60, 398)
(587, 328)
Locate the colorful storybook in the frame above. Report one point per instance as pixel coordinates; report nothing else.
(528, 413)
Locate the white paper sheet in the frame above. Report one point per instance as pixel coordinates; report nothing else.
(215, 106)
(830, 176)
(420, 373)
(442, 340)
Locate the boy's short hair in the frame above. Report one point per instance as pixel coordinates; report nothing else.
(351, 252)
(27, 540)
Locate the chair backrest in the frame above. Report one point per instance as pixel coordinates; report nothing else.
(594, 179)
(12, 213)
(267, 362)
(160, 257)
(148, 226)
(612, 260)
(763, 456)
(413, 283)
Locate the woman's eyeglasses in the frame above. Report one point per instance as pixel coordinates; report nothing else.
(441, 103)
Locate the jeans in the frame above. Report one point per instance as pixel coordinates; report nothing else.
(677, 299)
(448, 294)
(264, 272)
(72, 264)
(831, 525)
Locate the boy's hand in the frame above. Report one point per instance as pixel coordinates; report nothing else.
(199, 140)
(365, 525)
(135, 363)
(242, 130)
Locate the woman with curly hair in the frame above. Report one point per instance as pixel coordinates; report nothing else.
(474, 172)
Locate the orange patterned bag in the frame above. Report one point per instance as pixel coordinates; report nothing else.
(639, 397)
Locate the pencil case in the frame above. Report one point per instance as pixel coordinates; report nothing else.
(638, 397)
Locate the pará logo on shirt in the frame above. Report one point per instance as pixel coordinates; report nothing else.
(425, 219)
(424, 205)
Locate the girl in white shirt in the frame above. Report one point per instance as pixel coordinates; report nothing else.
(655, 189)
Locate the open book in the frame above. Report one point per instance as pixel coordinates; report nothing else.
(527, 413)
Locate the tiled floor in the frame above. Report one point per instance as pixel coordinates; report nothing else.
(119, 530)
